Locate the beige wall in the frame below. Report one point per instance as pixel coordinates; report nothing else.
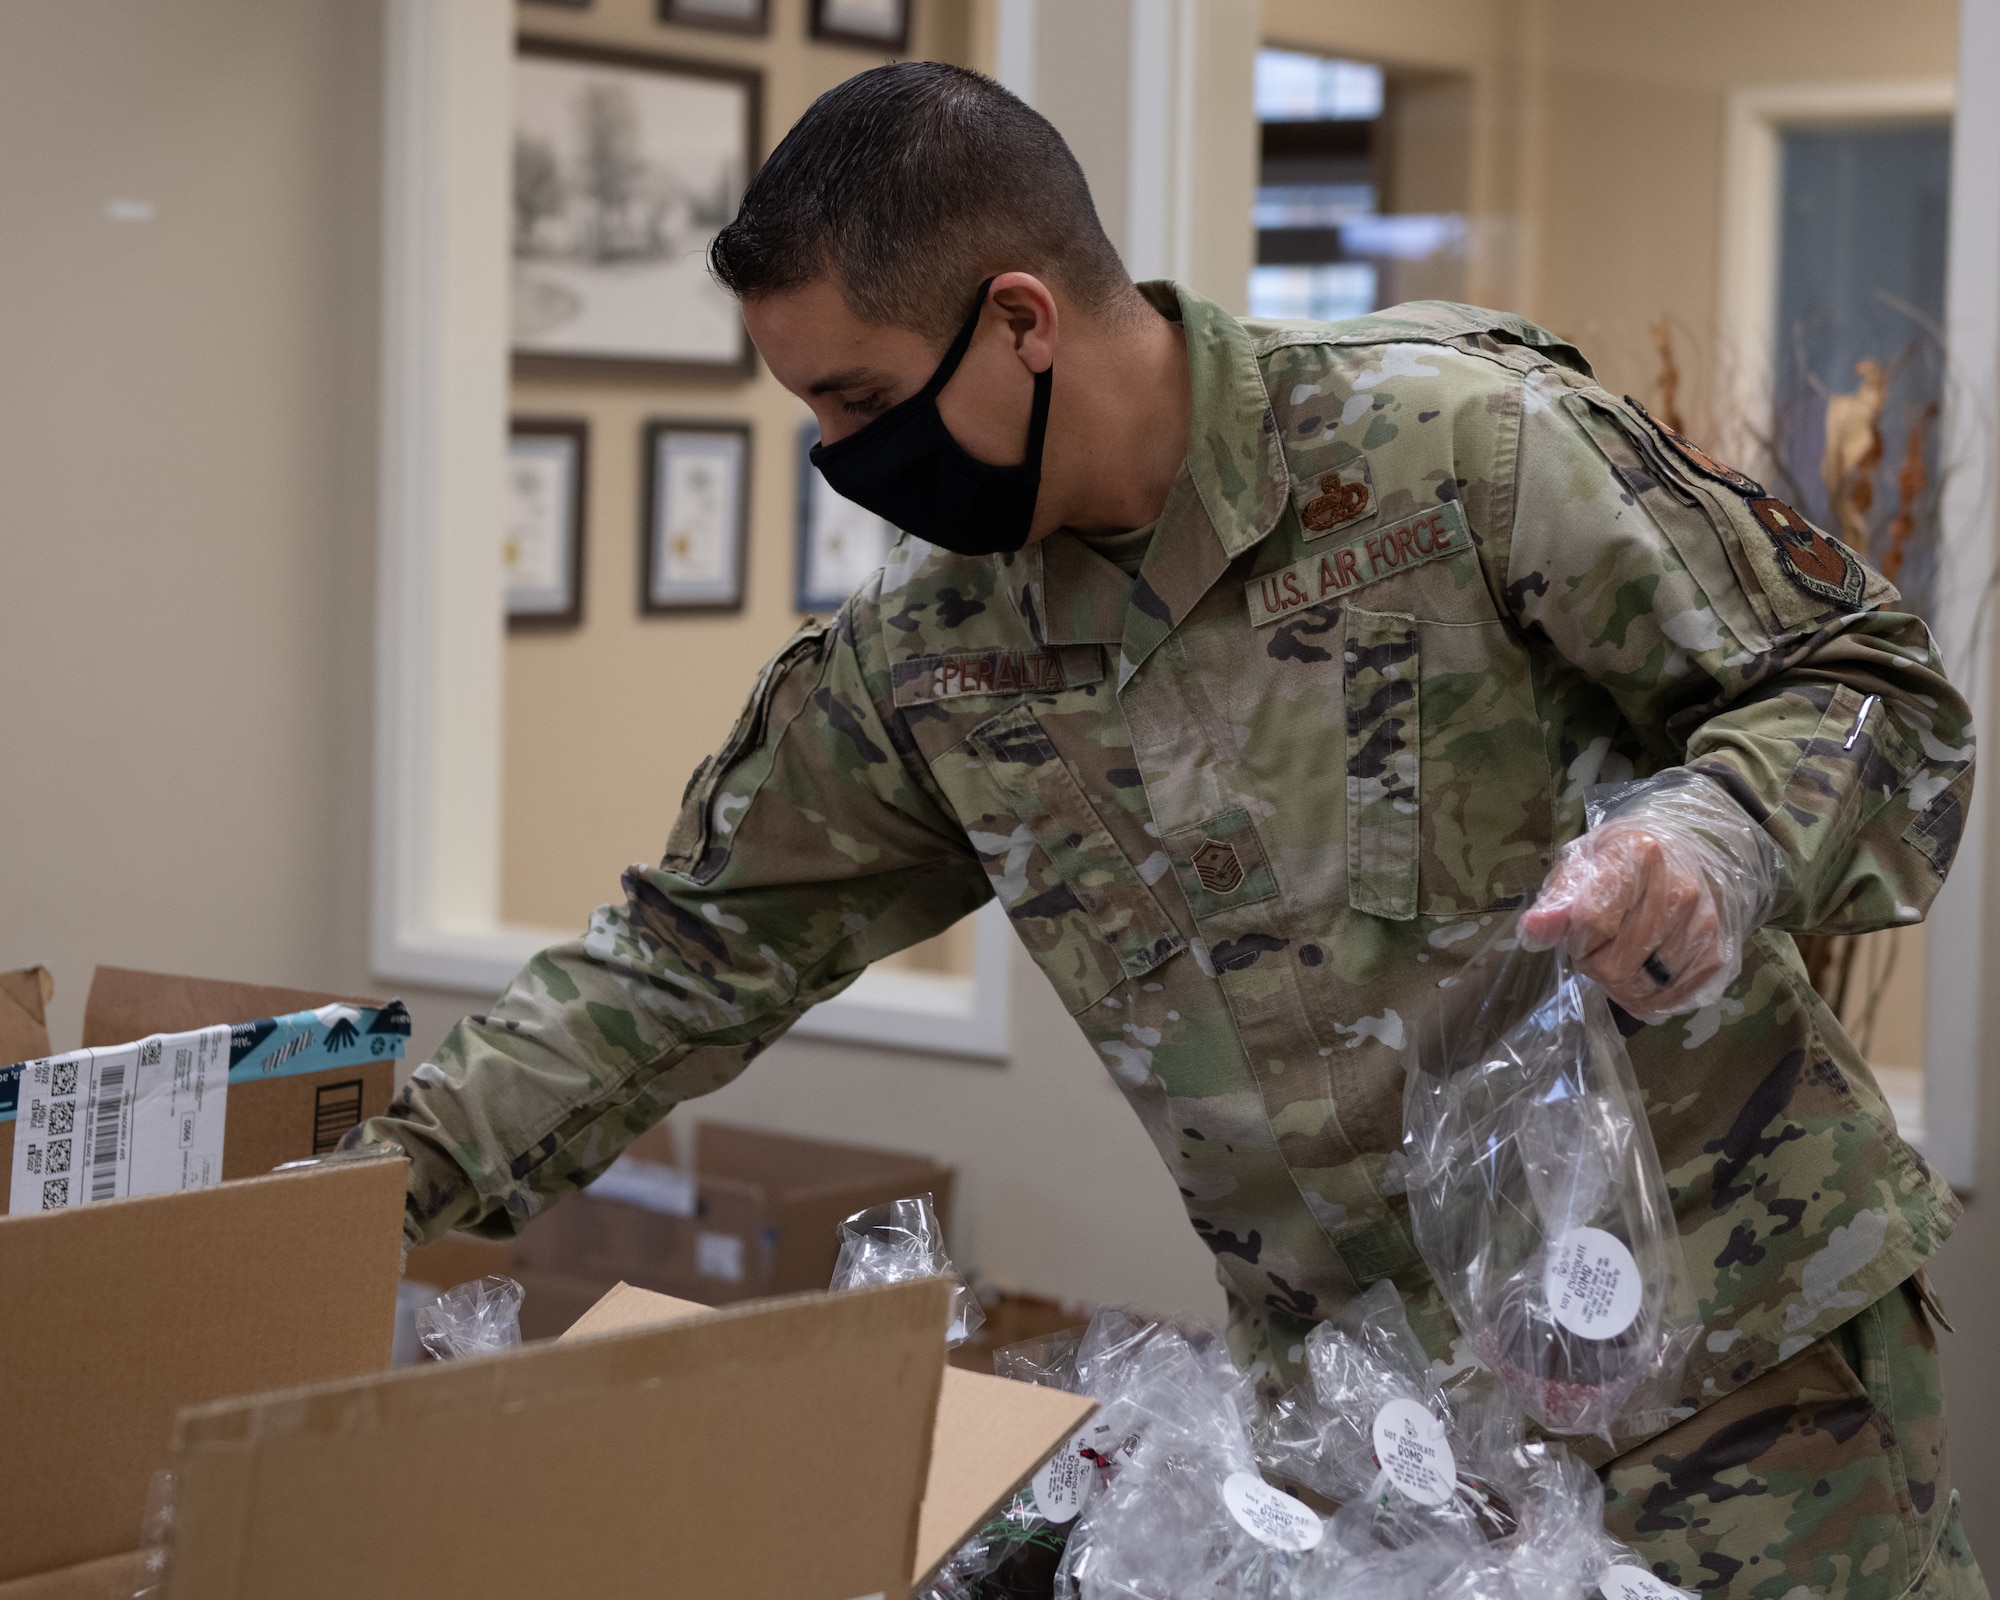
(604, 724)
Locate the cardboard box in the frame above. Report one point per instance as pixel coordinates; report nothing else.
(288, 1117)
(279, 1107)
(113, 1317)
(24, 1002)
(989, 1437)
(780, 1451)
(761, 1216)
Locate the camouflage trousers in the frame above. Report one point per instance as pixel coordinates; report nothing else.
(1825, 1478)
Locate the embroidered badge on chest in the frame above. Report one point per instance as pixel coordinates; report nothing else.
(1333, 499)
(1216, 865)
(1817, 563)
(1330, 575)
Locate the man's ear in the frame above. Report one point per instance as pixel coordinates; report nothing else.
(1029, 308)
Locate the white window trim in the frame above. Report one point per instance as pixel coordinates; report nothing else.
(444, 402)
(1946, 1122)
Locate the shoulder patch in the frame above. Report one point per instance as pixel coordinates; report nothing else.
(1333, 574)
(955, 674)
(1699, 459)
(1818, 563)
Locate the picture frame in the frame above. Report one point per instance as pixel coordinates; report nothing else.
(725, 16)
(548, 472)
(839, 542)
(866, 24)
(626, 165)
(695, 531)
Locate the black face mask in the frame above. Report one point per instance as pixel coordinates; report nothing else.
(907, 468)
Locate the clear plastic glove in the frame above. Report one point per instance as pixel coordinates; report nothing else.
(1655, 901)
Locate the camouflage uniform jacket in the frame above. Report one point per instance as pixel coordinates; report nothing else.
(1419, 585)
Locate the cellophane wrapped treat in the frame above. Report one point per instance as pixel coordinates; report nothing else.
(1536, 1193)
(1180, 1507)
(1377, 1433)
(899, 1241)
(1015, 1555)
(473, 1319)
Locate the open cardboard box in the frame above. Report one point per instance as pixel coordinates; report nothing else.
(288, 1116)
(810, 1448)
(114, 1317)
(758, 1216)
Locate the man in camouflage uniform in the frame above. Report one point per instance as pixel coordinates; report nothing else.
(1250, 785)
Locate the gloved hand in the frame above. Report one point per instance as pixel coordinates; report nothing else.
(1655, 901)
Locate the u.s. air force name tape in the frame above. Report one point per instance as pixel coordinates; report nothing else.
(1380, 553)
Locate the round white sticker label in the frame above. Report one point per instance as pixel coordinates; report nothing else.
(1411, 1446)
(1060, 1486)
(1625, 1582)
(1269, 1515)
(1592, 1283)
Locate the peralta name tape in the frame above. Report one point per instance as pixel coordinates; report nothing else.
(272, 1047)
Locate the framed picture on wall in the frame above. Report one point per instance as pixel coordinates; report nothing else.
(872, 24)
(548, 463)
(732, 16)
(840, 543)
(697, 516)
(625, 167)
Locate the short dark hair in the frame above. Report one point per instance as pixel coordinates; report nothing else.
(908, 185)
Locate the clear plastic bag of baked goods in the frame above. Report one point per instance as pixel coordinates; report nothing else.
(896, 1242)
(1180, 1508)
(1536, 1193)
(1374, 1432)
(474, 1319)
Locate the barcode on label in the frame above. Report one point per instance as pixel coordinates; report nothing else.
(104, 1134)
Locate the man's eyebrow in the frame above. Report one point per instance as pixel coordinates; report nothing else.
(848, 378)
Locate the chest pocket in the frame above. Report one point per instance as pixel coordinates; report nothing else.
(1082, 908)
(1449, 804)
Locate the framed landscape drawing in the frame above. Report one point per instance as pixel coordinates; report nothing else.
(548, 460)
(625, 167)
(840, 543)
(697, 516)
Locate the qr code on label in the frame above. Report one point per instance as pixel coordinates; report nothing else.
(62, 1116)
(55, 1194)
(65, 1078)
(58, 1156)
(149, 1053)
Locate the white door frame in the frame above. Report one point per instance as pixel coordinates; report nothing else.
(1749, 286)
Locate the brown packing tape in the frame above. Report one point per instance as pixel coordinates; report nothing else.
(991, 1434)
(113, 1317)
(774, 1451)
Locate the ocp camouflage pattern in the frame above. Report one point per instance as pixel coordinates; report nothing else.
(1243, 838)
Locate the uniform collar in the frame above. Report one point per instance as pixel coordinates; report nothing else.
(1232, 489)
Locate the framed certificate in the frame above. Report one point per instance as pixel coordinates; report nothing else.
(625, 167)
(697, 505)
(840, 543)
(871, 24)
(547, 465)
